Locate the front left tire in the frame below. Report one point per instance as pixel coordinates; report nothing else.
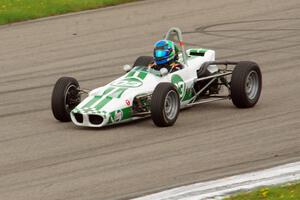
(65, 97)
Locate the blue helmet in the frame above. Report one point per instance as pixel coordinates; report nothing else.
(164, 52)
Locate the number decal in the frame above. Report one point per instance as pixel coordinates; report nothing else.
(128, 82)
(180, 85)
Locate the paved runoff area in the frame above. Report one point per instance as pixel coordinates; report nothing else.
(41, 158)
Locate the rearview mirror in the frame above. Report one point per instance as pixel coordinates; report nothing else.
(127, 68)
(163, 71)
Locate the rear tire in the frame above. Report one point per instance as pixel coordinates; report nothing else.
(65, 97)
(165, 105)
(143, 61)
(246, 84)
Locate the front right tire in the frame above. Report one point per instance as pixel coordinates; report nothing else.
(165, 105)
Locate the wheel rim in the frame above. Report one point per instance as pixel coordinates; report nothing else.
(72, 98)
(252, 85)
(171, 105)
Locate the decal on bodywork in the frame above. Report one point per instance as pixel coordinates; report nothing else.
(120, 115)
(197, 52)
(132, 79)
(188, 94)
(180, 85)
(93, 105)
(108, 90)
(128, 83)
(118, 93)
(103, 102)
(138, 72)
(96, 103)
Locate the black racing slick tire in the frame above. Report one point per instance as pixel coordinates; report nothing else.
(143, 61)
(246, 84)
(165, 105)
(65, 97)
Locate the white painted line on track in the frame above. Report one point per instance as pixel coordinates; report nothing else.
(216, 189)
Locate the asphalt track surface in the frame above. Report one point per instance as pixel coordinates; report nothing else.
(41, 158)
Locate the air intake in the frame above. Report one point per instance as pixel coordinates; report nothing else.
(78, 117)
(95, 119)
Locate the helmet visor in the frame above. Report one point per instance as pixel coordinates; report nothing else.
(161, 53)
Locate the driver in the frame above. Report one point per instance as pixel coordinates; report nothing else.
(166, 56)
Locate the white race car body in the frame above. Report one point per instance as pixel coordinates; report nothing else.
(142, 91)
(113, 103)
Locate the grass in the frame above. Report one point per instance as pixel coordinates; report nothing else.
(286, 192)
(20, 10)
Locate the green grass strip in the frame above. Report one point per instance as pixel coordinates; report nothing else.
(20, 10)
(285, 192)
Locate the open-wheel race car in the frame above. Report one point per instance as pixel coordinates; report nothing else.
(144, 91)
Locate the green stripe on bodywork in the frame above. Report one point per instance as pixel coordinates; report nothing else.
(108, 90)
(103, 102)
(127, 113)
(131, 73)
(202, 50)
(118, 93)
(188, 94)
(141, 71)
(142, 75)
(197, 52)
(112, 116)
(91, 102)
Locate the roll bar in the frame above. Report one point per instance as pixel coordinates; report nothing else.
(177, 32)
